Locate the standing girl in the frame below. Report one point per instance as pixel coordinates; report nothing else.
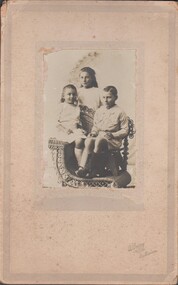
(88, 97)
(88, 93)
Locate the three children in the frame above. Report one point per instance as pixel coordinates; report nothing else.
(110, 123)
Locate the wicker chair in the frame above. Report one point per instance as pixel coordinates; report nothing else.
(115, 166)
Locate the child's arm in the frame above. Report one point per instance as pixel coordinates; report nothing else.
(77, 122)
(95, 130)
(124, 127)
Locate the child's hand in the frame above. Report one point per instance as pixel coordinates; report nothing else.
(93, 134)
(84, 132)
(109, 135)
(69, 132)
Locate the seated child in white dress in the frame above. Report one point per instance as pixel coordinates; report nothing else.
(69, 129)
(110, 127)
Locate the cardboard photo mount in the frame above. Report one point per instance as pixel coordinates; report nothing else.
(88, 236)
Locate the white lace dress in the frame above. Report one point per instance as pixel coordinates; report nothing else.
(90, 97)
(68, 123)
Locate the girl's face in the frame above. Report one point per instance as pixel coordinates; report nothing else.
(85, 79)
(108, 99)
(70, 95)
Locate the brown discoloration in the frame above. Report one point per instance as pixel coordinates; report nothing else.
(46, 50)
(174, 4)
(4, 9)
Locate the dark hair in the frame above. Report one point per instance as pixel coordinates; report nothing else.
(71, 86)
(92, 73)
(112, 90)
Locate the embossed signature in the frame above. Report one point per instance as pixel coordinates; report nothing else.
(140, 249)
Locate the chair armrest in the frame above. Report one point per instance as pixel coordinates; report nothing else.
(53, 143)
(132, 130)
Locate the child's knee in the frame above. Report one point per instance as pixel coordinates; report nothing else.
(100, 144)
(79, 143)
(89, 142)
(99, 141)
(101, 136)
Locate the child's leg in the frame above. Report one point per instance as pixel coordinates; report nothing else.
(79, 146)
(89, 146)
(100, 144)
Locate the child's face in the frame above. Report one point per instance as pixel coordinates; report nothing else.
(85, 79)
(108, 99)
(70, 95)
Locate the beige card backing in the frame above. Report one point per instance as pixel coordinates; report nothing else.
(58, 235)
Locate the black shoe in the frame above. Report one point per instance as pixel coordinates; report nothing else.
(91, 174)
(81, 172)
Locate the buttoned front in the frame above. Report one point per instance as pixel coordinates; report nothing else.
(112, 120)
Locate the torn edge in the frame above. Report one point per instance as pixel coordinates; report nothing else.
(2, 2)
(3, 7)
(46, 51)
(174, 4)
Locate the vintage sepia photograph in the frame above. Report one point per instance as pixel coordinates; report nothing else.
(89, 118)
(89, 142)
